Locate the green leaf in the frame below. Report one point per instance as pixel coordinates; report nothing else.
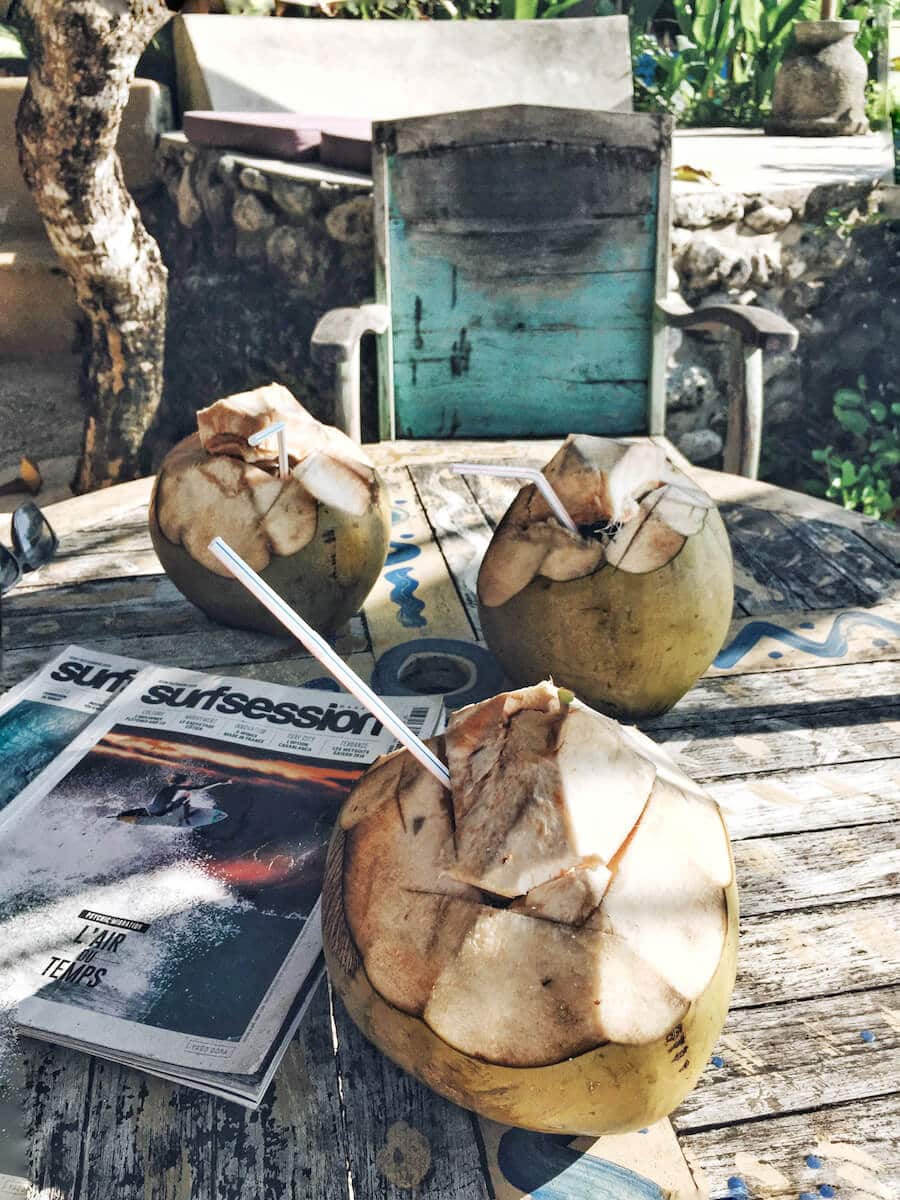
(878, 410)
(848, 473)
(855, 422)
(819, 455)
(750, 15)
(847, 398)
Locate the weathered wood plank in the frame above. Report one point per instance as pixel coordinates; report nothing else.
(799, 870)
(402, 1139)
(729, 747)
(204, 649)
(458, 526)
(818, 952)
(799, 695)
(154, 1139)
(805, 573)
(851, 1151)
(131, 615)
(414, 596)
(810, 639)
(57, 1097)
(294, 1144)
(790, 1057)
(825, 798)
(848, 553)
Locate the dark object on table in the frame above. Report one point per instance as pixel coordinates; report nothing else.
(296, 137)
(34, 544)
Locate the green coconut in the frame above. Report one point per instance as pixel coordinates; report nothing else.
(631, 610)
(319, 537)
(552, 940)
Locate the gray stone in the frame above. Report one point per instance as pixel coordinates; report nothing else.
(352, 221)
(688, 386)
(768, 218)
(189, 210)
(820, 89)
(804, 296)
(700, 445)
(251, 215)
(254, 181)
(697, 210)
(297, 199)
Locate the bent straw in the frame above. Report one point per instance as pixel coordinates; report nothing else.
(319, 648)
(532, 474)
(276, 427)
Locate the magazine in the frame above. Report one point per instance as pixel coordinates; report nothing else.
(43, 713)
(160, 881)
(38, 717)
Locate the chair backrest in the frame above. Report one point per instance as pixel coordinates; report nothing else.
(521, 251)
(387, 69)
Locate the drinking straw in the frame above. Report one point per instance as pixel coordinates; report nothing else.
(276, 427)
(532, 474)
(319, 648)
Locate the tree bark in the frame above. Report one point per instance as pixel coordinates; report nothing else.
(83, 55)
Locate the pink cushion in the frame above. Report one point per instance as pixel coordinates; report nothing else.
(296, 137)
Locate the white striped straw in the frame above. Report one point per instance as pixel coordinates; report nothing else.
(319, 648)
(276, 427)
(532, 474)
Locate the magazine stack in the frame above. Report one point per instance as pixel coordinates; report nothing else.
(163, 836)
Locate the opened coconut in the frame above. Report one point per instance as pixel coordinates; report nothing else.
(318, 537)
(631, 610)
(551, 941)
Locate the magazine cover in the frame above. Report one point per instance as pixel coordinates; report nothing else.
(161, 877)
(43, 713)
(38, 718)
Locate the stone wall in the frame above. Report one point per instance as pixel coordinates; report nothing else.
(828, 259)
(258, 250)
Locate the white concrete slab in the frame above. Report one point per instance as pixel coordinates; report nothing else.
(384, 69)
(746, 161)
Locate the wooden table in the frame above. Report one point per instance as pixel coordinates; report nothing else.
(796, 732)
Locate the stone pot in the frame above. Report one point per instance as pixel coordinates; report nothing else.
(820, 90)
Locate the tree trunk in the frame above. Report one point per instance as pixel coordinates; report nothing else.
(83, 55)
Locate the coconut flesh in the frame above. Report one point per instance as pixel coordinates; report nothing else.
(630, 610)
(551, 941)
(319, 537)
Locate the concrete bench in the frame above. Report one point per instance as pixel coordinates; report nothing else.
(387, 69)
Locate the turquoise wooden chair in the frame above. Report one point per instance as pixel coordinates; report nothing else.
(522, 258)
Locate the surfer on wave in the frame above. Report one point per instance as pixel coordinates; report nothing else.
(178, 802)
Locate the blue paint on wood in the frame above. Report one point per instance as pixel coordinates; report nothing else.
(545, 1166)
(404, 584)
(813, 1162)
(867, 1036)
(717, 1060)
(736, 1186)
(826, 1190)
(531, 329)
(835, 644)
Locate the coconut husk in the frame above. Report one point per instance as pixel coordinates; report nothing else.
(216, 483)
(561, 893)
(635, 510)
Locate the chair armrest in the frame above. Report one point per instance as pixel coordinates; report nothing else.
(757, 327)
(337, 334)
(335, 342)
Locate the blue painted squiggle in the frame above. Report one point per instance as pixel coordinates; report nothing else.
(544, 1165)
(404, 583)
(834, 646)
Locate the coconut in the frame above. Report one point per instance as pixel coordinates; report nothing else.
(551, 940)
(629, 611)
(318, 537)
